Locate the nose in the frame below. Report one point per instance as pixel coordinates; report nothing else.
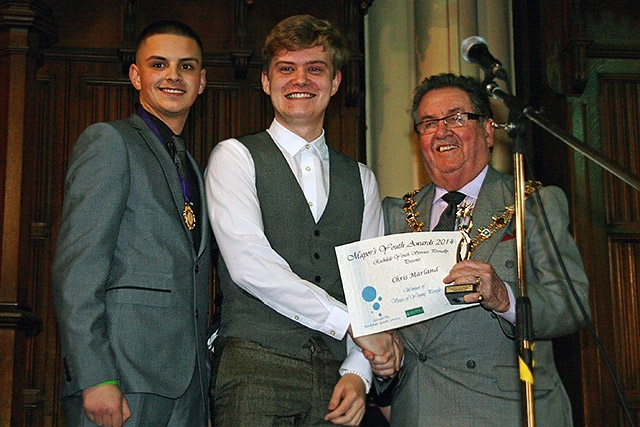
(442, 128)
(300, 77)
(173, 72)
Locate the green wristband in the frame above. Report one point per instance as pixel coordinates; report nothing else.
(110, 382)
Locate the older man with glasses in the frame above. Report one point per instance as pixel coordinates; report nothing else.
(461, 369)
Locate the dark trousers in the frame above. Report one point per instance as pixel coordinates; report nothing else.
(259, 386)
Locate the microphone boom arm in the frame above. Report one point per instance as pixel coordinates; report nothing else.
(582, 148)
(517, 107)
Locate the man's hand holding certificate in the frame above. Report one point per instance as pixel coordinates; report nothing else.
(396, 280)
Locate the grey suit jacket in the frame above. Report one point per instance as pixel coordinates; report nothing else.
(130, 291)
(461, 368)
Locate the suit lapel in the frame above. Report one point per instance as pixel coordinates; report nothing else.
(168, 168)
(204, 234)
(424, 203)
(430, 328)
(495, 195)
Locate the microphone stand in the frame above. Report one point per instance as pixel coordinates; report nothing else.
(524, 323)
(518, 113)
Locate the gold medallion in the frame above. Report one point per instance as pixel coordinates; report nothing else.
(189, 216)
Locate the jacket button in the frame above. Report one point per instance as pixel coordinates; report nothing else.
(316, 233)
(422, 356)
(317, 279)
(316, 255)
(471, 364)
(197, 268)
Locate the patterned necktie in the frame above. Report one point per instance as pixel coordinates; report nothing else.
(447, 220)
(180, 156)
(177, 147)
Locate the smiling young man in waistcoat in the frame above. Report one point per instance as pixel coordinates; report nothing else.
(281, 200)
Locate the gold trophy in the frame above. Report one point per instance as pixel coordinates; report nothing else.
(455, 293)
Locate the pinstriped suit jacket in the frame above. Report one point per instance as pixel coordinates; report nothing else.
(461, 368)
(130, 291)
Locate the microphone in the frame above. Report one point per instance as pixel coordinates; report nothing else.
(474, 50)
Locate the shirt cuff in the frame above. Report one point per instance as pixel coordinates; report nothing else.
(367, 383)
(355, 363)
(509, 315)
(337, 323)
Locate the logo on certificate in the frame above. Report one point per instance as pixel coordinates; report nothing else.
(370, 295)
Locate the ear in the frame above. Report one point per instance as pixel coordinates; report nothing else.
(134, 76)
(488, 128)
(203, 81)
(265, 83)
(335, 83)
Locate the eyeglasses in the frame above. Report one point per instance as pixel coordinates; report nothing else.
(454, 120)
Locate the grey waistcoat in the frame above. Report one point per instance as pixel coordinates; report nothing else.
(293, 233)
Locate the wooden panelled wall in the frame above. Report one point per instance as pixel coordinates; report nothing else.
(62, 67)
(579, 60)
(67, 61)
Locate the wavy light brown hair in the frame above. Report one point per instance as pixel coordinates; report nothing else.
(303, 32)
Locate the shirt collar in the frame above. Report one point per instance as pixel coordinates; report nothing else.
(165, 132)
(292, 143)
(472, 189)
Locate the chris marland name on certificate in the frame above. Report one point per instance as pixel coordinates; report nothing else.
(396, 280)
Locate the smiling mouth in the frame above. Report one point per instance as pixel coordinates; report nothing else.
(299, 95)
(443, 148)
(173, 91)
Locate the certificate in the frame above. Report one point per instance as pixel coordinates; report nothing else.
(396, 280)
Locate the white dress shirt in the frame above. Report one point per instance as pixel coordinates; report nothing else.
(236, 219)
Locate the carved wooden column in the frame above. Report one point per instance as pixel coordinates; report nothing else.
(353, 12)
(241, 53)
(25, 27)
(127, 49)
(353, 71)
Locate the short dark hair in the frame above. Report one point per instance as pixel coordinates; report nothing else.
(477, 93)
(168, 27)
(302, 32)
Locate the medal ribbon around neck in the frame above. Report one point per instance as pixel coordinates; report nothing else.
(188, 213)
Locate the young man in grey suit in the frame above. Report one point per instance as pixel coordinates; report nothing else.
(133, 254)
(461, 369)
